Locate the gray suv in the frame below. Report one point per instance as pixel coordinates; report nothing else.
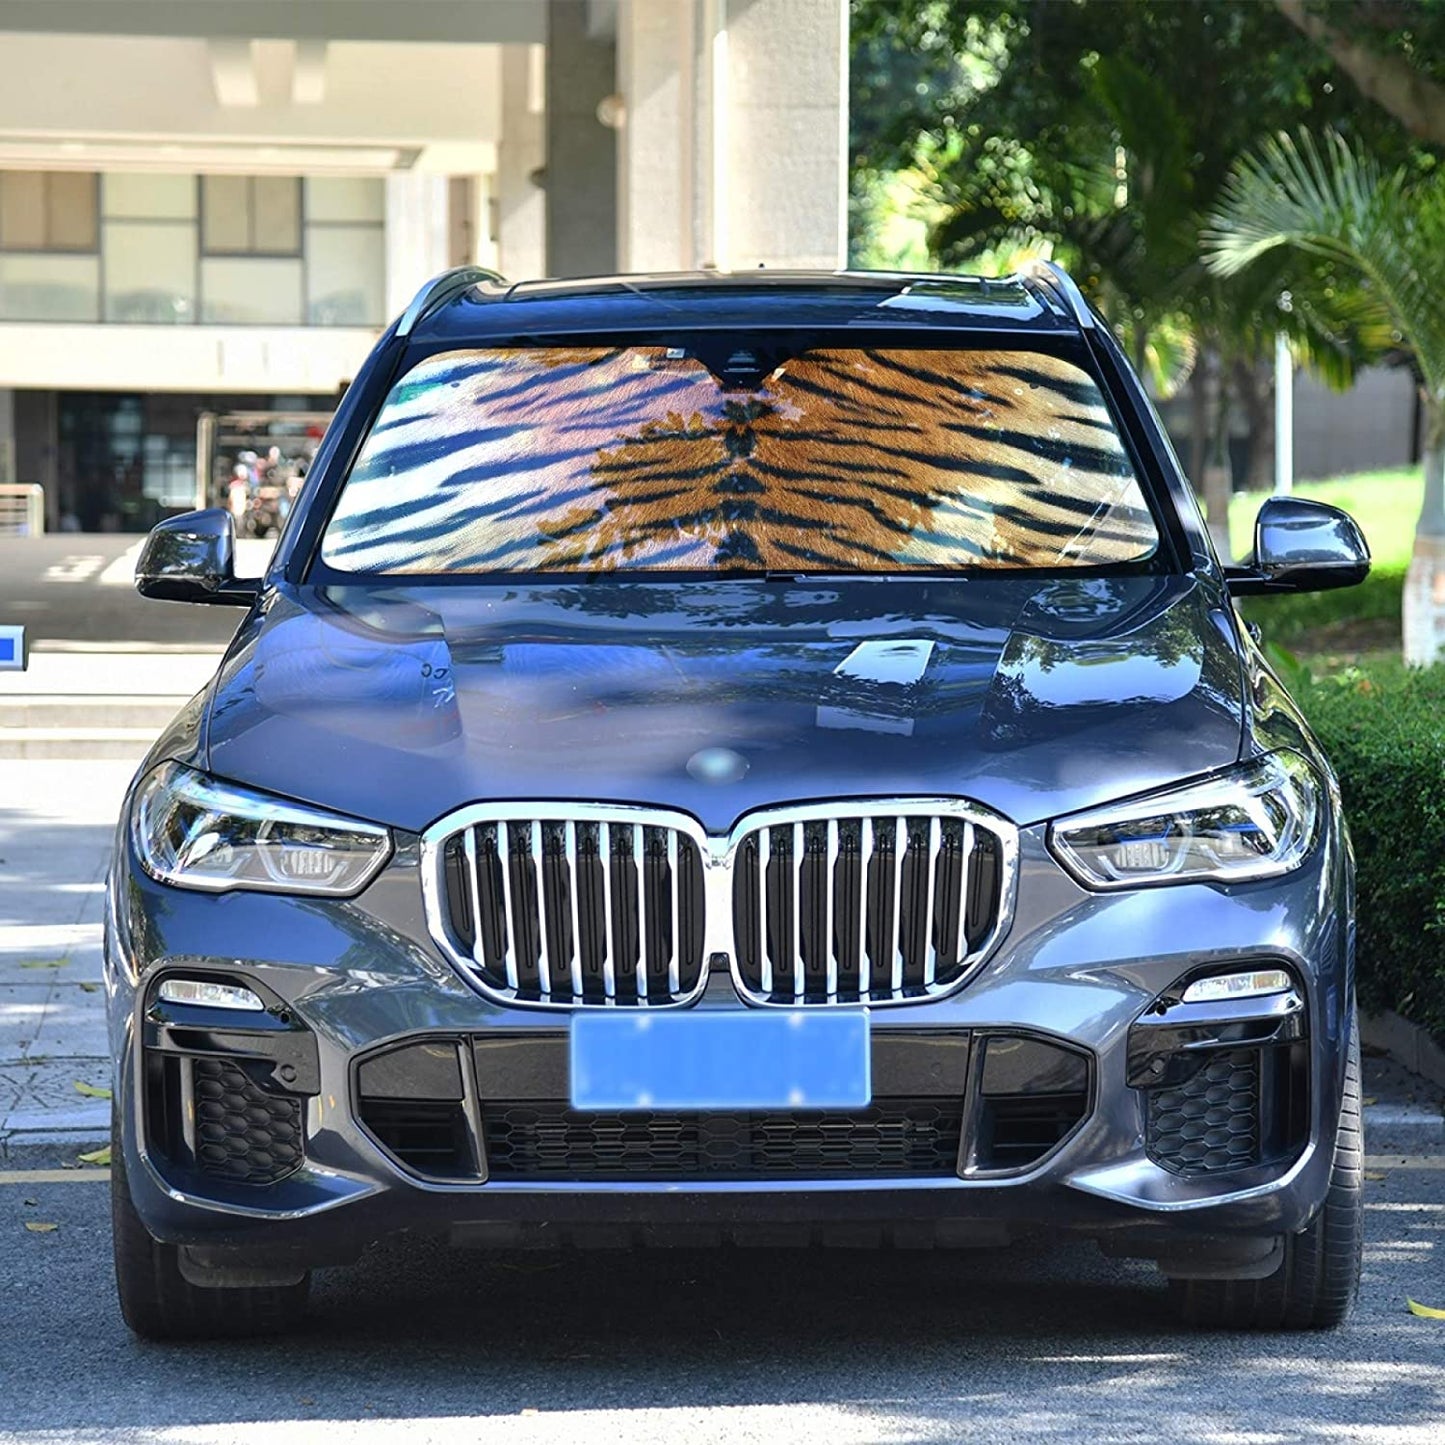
(766, 756)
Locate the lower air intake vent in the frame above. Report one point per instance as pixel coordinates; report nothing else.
(429, 1136)
(1018, 1131)
(904, 1138)
(242, 1132)
(1211, 1121)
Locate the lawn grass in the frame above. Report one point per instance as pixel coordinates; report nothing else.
(1385, 504)
(1347, 626)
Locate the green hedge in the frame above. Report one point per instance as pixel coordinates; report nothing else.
(1306, 617)
(1384, 731)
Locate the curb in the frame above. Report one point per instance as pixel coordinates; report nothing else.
(1402, 1129)
(72, 1130)
(32, 1148)
(1411, 1046)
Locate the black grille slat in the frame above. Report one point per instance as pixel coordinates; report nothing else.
(808, 933)
(814, 913)
(910, 923)
(852, 915)
(895, 1138)
(658, 912)
(880, 912)
(983, 884)
(552, 910)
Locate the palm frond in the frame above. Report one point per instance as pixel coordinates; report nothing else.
(1336, 202)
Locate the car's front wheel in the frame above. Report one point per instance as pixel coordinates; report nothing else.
(159, 1303)
(1315, 1285)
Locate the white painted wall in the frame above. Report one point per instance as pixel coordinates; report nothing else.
(99, 89)
(180, 358)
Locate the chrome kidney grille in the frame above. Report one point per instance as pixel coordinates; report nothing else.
(579, 904)
(866, 908)
(579, 909)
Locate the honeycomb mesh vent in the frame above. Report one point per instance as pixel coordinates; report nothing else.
(1211, 1121)
(242, 1132)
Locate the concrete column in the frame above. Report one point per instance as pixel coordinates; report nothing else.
(787, 135)
(37, 449)
(734, 147)
(581, 150)
(417, 239)
(484, 224)
(656, 175)
(521, 203)
(7, 436)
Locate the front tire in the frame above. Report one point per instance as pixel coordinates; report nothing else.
(159, 1303)
(1315, 1285)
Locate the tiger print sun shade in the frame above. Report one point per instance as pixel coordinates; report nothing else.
(539, 459)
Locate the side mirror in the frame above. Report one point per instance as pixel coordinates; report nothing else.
(1302, 546)
(192, 558)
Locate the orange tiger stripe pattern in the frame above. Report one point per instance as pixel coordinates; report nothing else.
(551, 459)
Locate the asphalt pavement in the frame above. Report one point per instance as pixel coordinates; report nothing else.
(75, 589)
(420, 1344)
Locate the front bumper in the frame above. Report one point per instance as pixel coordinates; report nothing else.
(360, 981)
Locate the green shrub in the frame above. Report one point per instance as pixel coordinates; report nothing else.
(1384, 732)
(1307, 616)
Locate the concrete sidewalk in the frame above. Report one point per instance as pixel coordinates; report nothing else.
(56, 823)
(96, 704)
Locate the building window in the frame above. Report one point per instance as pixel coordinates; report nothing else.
(251, 291)
(345, 251)
(149, 242)
(250, 215)
(49, 211)
(151, 248)
(49, 244)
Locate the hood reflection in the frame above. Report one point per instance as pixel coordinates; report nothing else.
(402, 703)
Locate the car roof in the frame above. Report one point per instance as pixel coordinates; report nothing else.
(470, 305)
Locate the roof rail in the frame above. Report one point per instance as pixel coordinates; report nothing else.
(442, 288)
(1052, 275)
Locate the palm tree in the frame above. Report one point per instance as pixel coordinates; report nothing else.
(1336, 202)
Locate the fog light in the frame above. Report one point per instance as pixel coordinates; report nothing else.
(205, 994)
(1251, 984)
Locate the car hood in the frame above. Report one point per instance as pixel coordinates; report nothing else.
(1035, 698)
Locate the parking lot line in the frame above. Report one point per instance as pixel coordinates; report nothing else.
(54, 1176)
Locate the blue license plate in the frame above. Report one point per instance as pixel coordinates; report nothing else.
(739, 1059)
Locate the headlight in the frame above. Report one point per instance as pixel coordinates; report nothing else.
(1257, 820)
(198, 832)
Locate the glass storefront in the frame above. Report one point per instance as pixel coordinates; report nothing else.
(124, 461)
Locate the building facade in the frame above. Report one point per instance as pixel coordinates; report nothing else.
(212, 207)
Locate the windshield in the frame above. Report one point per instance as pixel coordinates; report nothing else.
(733, 458)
